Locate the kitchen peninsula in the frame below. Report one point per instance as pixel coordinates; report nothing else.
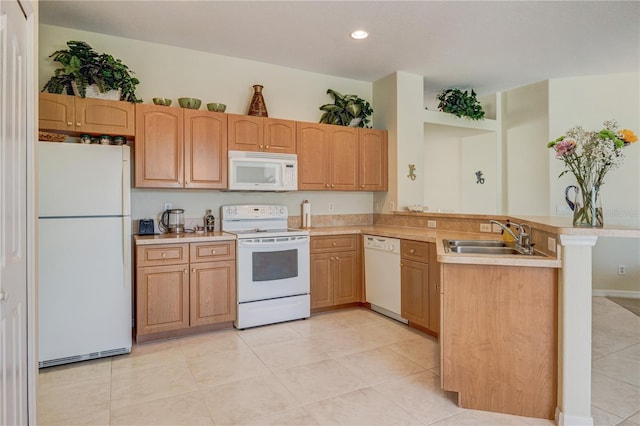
(572, 260)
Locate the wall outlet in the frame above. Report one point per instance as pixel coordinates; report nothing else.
(622, 270)
(392, 205)
(495, 228)
(332, 207)
(431, 224)
(551, 244)
(485, 227)
(167, 206)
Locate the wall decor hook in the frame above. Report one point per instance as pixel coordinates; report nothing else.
(479, 178)
(412, 172)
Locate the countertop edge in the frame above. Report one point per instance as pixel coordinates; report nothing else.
(141, 240)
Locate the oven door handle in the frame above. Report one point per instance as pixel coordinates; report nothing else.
(287, 242)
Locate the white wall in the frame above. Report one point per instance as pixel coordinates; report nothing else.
(171, 72)
(525, 114)
(588, 101)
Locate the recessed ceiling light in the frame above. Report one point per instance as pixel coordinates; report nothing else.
(359, 34)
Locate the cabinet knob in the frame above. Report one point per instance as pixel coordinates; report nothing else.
(337, 258)
(362, 186)
(267, 146)
(326, 185)
(334, 244)
(69, 123)
(185, 270)
(332, 185)
(193, 270)
(401, 265)
(332, 258)
(261, 146)
(412, 251)
(180, 181)
(78, 124)
(213, 252)
(164, 255)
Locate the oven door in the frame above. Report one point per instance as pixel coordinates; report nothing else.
(272, 267)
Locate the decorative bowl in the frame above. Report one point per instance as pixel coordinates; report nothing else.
(191, 103)
(162, 101)
(216, 107)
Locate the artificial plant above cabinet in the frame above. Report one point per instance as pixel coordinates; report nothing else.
(180, 148)
(249, 133)
(75, 115)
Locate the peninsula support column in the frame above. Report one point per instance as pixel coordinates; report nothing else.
(574, 331)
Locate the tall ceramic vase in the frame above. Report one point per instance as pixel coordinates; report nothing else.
(257, 106)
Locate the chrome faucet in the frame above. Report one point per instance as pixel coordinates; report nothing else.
(523, 239)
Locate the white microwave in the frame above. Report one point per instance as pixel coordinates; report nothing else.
(262, 171)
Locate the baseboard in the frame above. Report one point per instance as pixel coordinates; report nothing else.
(616, 293)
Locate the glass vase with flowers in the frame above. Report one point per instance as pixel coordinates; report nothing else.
(589, 155)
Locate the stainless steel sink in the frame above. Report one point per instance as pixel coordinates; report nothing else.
(475, 243)
(480, 247)
(484, 250)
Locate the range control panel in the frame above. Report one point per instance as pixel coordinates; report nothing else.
(254, 211)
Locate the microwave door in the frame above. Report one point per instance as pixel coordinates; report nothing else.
(254, 174)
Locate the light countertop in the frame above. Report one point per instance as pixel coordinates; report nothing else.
(187, 237)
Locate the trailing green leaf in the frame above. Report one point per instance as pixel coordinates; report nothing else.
(461, 104)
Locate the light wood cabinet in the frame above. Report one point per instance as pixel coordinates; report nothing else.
(341, 158)
(499, 339)
(417, 302)
(327, 157)
(76, 115)
(180, 286)
(336, 277)
(373, 162)
(249, 133)
(180, 148)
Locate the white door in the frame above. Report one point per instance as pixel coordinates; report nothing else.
(13, 214)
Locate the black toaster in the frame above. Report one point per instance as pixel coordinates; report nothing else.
(146, 227)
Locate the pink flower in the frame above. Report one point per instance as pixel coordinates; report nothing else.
(565, 147)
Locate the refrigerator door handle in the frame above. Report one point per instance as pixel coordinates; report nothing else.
(126, 181)
(126, 251)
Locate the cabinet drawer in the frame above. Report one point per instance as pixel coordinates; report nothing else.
(162, 254)
(334, 243)
(414, 250)
(212, 251)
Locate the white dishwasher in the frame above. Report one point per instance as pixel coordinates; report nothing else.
(382, 275)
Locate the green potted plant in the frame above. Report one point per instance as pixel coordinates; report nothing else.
(347, 110)
(83, 67)
(461, 104)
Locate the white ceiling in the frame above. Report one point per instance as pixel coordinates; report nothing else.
(488, 46)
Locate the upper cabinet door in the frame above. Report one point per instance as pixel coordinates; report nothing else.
(373, 160)
(344, 158)
(56, 112)
(280, 135)
(115, 118)
(246, 133)
(205, 149)
(313, 156)
(159, 147)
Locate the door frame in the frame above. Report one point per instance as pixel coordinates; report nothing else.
(30, 8)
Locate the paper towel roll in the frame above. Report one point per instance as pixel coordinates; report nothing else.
(306, 214)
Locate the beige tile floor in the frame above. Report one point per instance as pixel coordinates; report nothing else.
(351, 367)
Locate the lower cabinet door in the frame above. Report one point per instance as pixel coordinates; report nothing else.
(162, 294)
(347, 278)
(213, 292)
(414, 283)
(321, 280)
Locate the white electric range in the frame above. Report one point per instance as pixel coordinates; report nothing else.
(272, 264)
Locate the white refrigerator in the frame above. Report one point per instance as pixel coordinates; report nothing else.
(84, 252)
